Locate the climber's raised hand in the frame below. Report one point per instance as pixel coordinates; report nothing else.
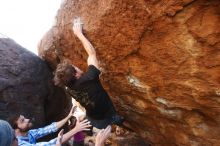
(77, 26)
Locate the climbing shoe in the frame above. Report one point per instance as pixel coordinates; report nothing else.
(117, 120)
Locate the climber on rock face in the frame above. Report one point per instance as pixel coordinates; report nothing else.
(87, 88)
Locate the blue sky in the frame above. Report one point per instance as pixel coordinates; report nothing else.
(26, 21)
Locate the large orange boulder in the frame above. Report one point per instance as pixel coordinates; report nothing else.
(160, 61)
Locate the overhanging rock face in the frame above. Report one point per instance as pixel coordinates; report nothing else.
(26, 86)
(160, 61)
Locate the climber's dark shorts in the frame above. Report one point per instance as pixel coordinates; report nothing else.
(101, 123)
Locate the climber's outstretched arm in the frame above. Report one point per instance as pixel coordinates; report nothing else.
(77, 28)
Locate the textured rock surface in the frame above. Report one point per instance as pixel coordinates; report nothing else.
(160, 61)
(26, 87)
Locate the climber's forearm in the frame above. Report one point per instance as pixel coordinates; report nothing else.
(90, 50)
(86, 44)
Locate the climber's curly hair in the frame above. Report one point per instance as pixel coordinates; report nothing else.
(63, 74)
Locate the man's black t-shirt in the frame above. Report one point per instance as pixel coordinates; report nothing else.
(90, 93)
